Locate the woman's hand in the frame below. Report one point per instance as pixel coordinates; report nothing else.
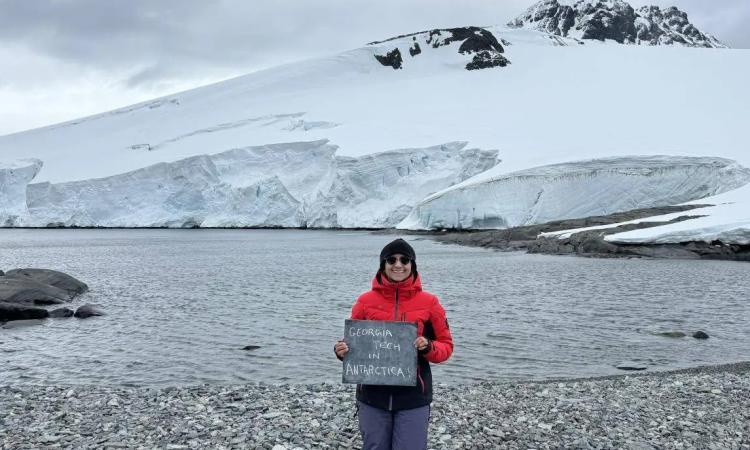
(341, 349)
(421, 343)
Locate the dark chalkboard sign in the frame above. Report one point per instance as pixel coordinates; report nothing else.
(380, 353)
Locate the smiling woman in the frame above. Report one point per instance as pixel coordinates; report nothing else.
(396, 417)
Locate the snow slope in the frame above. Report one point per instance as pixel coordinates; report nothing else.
(555, 102)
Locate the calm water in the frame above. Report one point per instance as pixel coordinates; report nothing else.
(182, 303)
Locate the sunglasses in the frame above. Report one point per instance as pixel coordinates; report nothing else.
(392, 260)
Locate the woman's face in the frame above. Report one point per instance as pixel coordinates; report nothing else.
(398, 271)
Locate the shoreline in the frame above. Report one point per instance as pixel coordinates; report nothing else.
(700, 407)
(529, 239)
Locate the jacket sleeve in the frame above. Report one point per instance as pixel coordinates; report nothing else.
(358, 310)
(442, 346)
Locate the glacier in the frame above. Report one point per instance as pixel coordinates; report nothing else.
(575, 190)
(307, 144)
(298, 184)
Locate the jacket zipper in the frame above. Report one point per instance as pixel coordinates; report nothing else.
(395, 312)
(395, 318)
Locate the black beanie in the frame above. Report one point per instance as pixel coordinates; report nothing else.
(398, 246)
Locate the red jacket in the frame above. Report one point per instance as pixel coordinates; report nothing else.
(406, 302)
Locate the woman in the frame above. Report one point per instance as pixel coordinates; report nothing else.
(396, 417)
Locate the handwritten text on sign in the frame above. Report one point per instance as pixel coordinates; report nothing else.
(380, 352)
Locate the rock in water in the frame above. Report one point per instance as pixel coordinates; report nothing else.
(12, 311)
(700, 335)
(88, 310)
(251, 347)
(61, 312)
(51, 277)
(15, 290)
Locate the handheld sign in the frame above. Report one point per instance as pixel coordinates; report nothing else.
(380, 352)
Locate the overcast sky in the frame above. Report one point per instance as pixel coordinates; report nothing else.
(63, 59)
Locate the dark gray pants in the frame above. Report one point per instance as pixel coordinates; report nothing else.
(393, 430)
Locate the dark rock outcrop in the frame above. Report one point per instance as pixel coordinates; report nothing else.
(14, 311)
(616, 20)
(61, 312)
(51, 277)
(88, 310)
(482, 44)
(391, 59)
(15, 290)
(485, 60)
(414, 50)
(592, 243)
(479, 42)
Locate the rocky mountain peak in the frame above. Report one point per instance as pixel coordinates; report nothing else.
(614, 20)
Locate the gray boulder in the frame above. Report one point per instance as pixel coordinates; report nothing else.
(13, 311)
(61, 312)
(88, 310)
(15, 290)
(51, 277)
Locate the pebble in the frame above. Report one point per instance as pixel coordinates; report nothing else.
(697, 408)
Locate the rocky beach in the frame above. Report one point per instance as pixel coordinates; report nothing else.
(591, 242)
(697, 408)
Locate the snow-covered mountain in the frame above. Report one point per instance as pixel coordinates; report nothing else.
(358, 139)
(614, 20)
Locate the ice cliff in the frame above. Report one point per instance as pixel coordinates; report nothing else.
(576, 189)
(301, 184)
(14, 176)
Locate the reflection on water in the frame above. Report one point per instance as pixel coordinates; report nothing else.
(182, 304)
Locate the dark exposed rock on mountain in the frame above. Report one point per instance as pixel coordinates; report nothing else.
(477, 42)
(615, 20)
(392, 59)
(415, 50)
(51, 277)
